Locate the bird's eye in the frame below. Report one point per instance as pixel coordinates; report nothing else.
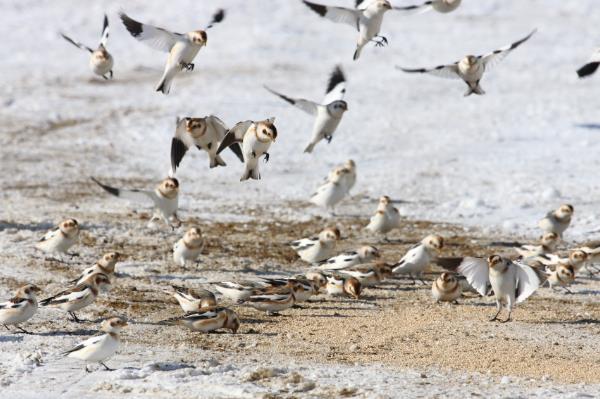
(264, 131)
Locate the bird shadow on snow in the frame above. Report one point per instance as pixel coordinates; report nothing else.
(80, 331)
(592, 126)
(4, 225)
(11, 338)
(578, 321)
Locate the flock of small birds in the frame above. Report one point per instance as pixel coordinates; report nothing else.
(510, 278)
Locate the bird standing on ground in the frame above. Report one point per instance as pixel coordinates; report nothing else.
(19, 308)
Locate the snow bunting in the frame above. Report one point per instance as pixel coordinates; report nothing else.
(317, 277)
(328, 115)
(547, 245)
(256, 138)
(188, 248)
(590, 68)
(100, 347)
(191, 300)
(204, 133)
(61, 239)
(182, 48)
(577, 259)
(367, 20)
(329, 194)
(238, 290)
(105, 265)
(418, 258)
(207, 320)
(368, 274)
(101, 62)
(317, 249)
(343, 285)
(512, 282)
(344, 260)
(19, 308)
(303, 287)
(386, 218)
(446, 288)
(80, 296)
(557, 221)
(441, 6)
(561, 276)
(471, 68)
(271, 303)
(165, 199)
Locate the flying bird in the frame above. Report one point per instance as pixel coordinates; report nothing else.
(165, 198)
(471, 68)
(182, 47)
(203, 133)
(328, 114)
(256, 139)
(101, 62)
(367, 21)
(441, 6)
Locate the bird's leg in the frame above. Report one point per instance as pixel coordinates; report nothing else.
(184, 65)
(87, 370)
(414, 282)
(497, 313)
(253, 154)
(381, 42)
(74, 317)
(421, 280)
(110, 73)
(508, 318)
(329, 138)
(106, 367)
(5, 326)
(23, 330)
(568, 291)
(73, 255)
(267, 156)
(104, 77)
(455, 302)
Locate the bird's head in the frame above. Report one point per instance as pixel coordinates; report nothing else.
(193, 236)
(331, 234)
(113, 325)
(266, 131)
(352, 287)
(169, 187)
(564, 211)
(434, 242)
(69, 227)
(497, 262)
(28, 291)
(369, 252)
(198, 37)
(233, 321)
(196, 127)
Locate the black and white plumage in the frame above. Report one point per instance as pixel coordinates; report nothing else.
(366, 21)
(101, 61)
(60, 239)
(328, 114)
(558, 220)
(441, 6)
(182, 47)
(207, 320)
(511, 281)
(19, 308)
(256, 139)
(105, 265)
(165, 199)
(344, 260)
(417, 259)
(99, 348)
(317, 249)
(591, 67)
(206, 134)
(192, 300)
(471, 68)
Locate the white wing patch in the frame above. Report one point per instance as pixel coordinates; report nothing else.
(477, 273)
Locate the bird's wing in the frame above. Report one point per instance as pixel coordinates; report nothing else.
(235, 135)
(157, 38)
(180, 143)
(69, 295)
(336, 14)
(14, 303)
(305, 243)
(76, 44)
(307, 106)
(104, 36)
(477, 273)
(50, 234)
(336, 87)
(211, 314)
(130, 194)
(219, 126)
(88, 342)
(426, 6)
(443, 71)
(449, 263)
(591, 67)
(218, 17)
(492, 59)
(528, 280)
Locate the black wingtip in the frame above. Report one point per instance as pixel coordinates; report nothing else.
(134, 27)
(285, 98)
(318, 8)
(105, 23)
(237, 150)
(218, 17)
(111, 190)
(588, 69)
(337, 77)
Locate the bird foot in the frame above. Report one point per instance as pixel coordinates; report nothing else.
(328, 138)
(267, 156)
(382, 42)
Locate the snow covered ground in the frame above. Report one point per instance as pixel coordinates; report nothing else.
(497, 162)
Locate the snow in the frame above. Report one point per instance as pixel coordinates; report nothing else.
(497, 162)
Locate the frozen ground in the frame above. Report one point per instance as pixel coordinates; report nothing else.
(496, 163)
